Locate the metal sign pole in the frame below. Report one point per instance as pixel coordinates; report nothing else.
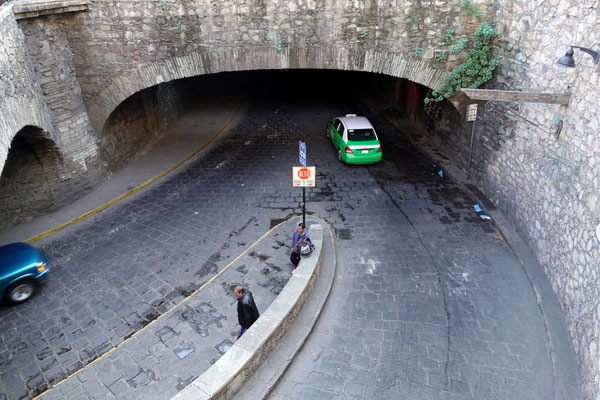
(471, 116)
(304, 206)
(471, 151)
(302, 160)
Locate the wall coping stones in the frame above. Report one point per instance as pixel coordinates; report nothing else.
(33, 9)
(226, 376)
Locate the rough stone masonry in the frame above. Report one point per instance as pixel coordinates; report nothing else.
(69, 66)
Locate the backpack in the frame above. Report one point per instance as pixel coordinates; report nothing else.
(306, 247)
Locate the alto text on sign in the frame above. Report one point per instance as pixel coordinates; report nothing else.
(304, 176)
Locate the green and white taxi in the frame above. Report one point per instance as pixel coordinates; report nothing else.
(354, 139)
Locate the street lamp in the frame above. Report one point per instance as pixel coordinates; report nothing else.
(568, 61)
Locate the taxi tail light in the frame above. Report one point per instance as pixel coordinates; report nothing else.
(41, 267)
(379, 149)
(348, 150)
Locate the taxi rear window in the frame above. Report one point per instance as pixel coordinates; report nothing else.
(361, 135)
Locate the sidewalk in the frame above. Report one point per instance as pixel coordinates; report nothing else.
(195, 130)
(177, 347)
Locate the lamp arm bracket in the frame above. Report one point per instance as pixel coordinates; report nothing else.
(595, 54)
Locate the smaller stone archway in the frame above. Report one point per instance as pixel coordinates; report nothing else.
(33, 169)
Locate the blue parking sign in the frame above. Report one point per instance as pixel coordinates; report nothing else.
(302, 157)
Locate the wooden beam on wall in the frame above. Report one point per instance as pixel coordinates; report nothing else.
(513, 95)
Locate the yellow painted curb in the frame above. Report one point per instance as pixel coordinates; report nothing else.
(168, 312)
(136, 189)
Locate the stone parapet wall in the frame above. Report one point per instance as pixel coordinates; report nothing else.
(146, 43)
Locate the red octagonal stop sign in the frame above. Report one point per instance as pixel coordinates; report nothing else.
(303, 173)
(303, 176)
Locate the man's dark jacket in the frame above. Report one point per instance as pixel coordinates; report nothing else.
(247, 311)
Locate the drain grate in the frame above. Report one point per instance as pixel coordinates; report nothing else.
(275, 222)
(488, 228)
(343, 234)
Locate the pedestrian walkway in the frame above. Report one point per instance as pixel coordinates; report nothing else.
(199, 127)
(182, 343)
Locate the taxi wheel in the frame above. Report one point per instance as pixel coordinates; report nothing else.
(339, 154)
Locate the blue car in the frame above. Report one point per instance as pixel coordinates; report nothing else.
(22, 269)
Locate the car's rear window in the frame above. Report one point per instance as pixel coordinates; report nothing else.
(361, 135)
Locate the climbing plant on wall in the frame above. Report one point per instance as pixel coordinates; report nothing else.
(480, 61)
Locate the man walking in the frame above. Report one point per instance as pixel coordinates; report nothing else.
(247, 310)
(299, 233)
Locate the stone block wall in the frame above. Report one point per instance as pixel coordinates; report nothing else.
(139, 121)
(55, 155)
(21, 98)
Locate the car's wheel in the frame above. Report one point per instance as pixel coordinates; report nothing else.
(339, 154)
(21, 291)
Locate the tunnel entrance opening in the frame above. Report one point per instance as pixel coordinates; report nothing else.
(30, 174)
(35, 176)
(143, 118)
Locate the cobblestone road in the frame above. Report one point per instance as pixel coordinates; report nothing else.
(429, 302)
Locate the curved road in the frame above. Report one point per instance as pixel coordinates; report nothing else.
(429, 302)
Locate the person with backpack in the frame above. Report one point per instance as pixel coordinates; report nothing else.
(299, 238)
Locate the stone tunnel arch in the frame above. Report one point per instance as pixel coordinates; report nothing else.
(139, 121)
(328, 58)
(32, 170)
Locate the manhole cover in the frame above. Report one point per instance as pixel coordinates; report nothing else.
(343, 234)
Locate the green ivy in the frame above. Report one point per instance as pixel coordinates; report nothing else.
(471, 9)
(441, 56)
(459, 45)
(477, 69)
(449, 36)
(418, 52)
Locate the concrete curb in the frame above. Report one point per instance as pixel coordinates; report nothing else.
(224, 378)
(264, 381)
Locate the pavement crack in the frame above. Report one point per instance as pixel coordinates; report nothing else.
(440, 283)
(318, 356)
